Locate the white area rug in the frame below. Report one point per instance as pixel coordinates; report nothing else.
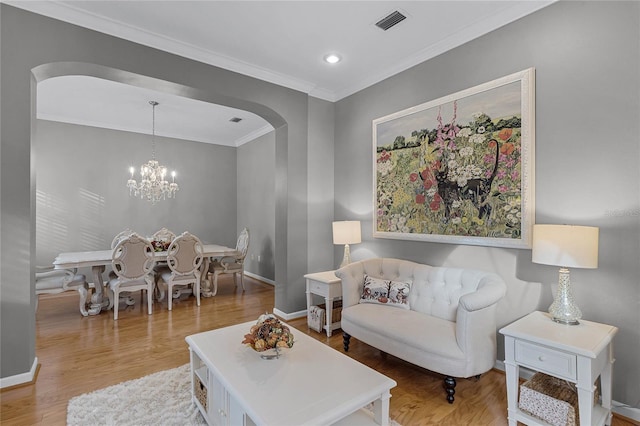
(162, 398)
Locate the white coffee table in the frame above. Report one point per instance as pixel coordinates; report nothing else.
(310, 384)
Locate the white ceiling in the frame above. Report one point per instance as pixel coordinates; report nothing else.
(91, 101)
(282, 42)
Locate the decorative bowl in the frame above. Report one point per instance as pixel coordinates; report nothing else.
(274, 353)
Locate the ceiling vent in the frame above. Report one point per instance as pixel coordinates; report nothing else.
(236, 120)
(389, 21)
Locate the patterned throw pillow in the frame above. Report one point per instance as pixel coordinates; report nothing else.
(386, 292)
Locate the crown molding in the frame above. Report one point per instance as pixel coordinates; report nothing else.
(253, 135)
(68, 13)
(484, 26)
(144, 131)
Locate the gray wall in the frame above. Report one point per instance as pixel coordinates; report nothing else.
(587, 60)
(34, 48)
(320, 183)
(81, 195)
(256, 202)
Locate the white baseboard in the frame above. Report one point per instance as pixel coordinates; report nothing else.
(290, 316)
(276, 311)
(19, 379)
(616, 407)
(259, 278)
(624, 410)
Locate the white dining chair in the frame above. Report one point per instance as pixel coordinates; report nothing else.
(184, 258)
(120, 235)
(132, 261)
(231, 264)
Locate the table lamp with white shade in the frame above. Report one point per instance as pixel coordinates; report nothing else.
(346, 232)
(567, 246)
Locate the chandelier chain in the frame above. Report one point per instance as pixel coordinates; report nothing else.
(153, 129)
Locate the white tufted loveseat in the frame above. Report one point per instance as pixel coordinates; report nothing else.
(449, 328)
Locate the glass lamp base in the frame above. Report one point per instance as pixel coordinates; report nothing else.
(566, 321)
(346, 259)
(563, 310)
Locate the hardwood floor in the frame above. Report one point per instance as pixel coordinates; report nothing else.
(79, 355)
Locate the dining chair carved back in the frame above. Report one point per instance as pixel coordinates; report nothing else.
(184, 258)
(119, 236)
(163, 234)
(132, 261)
(231, 264)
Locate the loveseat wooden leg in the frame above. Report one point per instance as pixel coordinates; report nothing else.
(449, 387)
(345, 341)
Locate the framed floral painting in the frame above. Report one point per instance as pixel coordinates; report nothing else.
(459, 169)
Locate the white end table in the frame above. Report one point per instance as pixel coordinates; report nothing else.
(577, 353)
(327, 285)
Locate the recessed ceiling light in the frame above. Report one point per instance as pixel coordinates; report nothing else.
(332, 58)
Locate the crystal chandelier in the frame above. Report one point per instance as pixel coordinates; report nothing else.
(153, 186)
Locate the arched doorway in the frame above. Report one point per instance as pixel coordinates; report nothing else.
(53, 70)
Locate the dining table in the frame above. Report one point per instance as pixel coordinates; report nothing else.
(98, 260)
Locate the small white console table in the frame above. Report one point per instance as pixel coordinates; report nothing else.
(327, 285)
(577, 353)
